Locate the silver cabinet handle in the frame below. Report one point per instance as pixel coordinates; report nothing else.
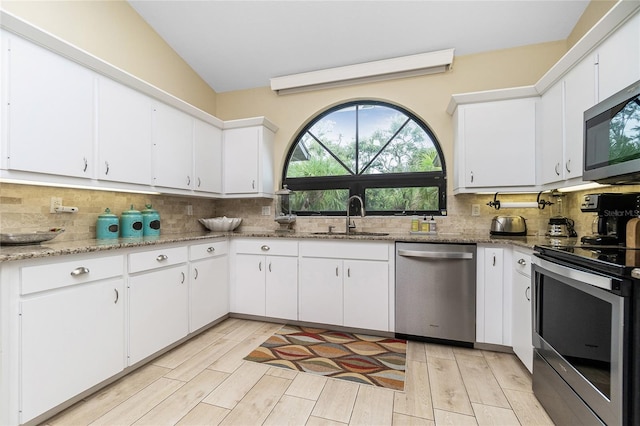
(556, 169)
(188, 180)
(183, 277)
(253, 184)
(106, 164)
(265, 248)
(195, 273)
(435, 254)
(336, 271)
(260, 266)
(567, 164)
(86, 164)
(79, 271)
(471, 177)
(349, 272)
(117, 296)
(199, 182)
(527, 293)
(269, 266)
(162, 257)
(494, 260)
(211, 249)
(522, 262)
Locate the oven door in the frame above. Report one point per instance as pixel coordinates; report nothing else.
(578, 329)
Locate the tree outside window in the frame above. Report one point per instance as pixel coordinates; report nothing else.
(376, 150)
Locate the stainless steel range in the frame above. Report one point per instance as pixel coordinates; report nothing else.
(586, 333)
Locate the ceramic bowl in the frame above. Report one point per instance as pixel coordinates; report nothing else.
(221, 224)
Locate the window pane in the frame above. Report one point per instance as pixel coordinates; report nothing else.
(376, 126)
(311, 159)
(319, 201)
(337, 131)
(402, 199)
(412, 150)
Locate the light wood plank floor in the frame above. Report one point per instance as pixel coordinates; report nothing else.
(205, 381)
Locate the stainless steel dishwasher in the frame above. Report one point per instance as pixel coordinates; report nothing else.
(436, 291)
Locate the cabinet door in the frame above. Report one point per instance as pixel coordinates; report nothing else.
(51, 105)
(158, 311)
(320, 297)
(70, 340)
(579, 96)
(521, 339)
(209, 292)
(619, 59)
(281, 289)
(366, 294)
(551, 134)
(172, 147)
(493, 296)
(499, 143)
(124, 134)
(207, 145)
(241, 160)
(249, 286)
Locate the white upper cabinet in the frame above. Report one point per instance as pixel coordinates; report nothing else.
(124, 134)
(550, 132)
(50, 108)
(207, 165)
(618, 59)
(248, 161)
(172, 135)
(495, 144)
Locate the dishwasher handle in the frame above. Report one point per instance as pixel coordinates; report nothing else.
(435, 254)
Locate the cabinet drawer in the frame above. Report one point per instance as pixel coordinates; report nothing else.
(345, 250)
(62, 274)
(210, 249)
(157, 258)
(273, 247)
(522, 263)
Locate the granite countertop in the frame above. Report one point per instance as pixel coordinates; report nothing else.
(51, 248)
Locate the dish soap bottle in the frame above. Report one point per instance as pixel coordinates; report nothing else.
(432, 225)
(415, 224)
(424, 225)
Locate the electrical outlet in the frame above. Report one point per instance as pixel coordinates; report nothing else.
(266, 210)
(56, 202)
(475, 210)
(189, 210)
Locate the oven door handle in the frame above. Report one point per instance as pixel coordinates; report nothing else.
(574, 274)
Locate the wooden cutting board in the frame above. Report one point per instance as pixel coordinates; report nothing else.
(633, 233)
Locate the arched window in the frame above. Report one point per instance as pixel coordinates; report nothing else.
(376, 150)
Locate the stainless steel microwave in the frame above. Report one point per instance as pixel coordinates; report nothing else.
(612, 138)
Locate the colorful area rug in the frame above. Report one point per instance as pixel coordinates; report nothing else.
(377, 361)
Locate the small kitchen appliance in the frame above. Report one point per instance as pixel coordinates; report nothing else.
(560, 226)
(131, 224)
(150, 222)
(107, 225)
(614, 211)
(508, 226)
(283, 215)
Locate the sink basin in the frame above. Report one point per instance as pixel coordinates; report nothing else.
(354, 233)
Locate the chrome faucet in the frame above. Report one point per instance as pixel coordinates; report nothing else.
(350, 225)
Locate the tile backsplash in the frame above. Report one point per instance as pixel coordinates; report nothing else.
(25, 208)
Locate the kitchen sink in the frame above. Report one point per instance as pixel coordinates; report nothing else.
(354, 233)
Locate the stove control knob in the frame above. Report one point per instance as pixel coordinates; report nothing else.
(635, 273)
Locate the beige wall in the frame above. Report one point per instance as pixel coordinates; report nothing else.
(114, 32)
(592, 14)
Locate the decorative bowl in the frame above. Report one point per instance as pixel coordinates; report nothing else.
(27, 238)
(221, 224)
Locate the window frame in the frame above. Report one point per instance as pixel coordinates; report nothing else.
(357, 184)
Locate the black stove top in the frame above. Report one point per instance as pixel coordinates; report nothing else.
(616, 260)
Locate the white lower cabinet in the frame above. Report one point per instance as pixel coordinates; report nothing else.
(493, 295)
(353, 292)
(265, 278)
(521, 339)
(208, 283)
(71, 330)
(158, 301)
